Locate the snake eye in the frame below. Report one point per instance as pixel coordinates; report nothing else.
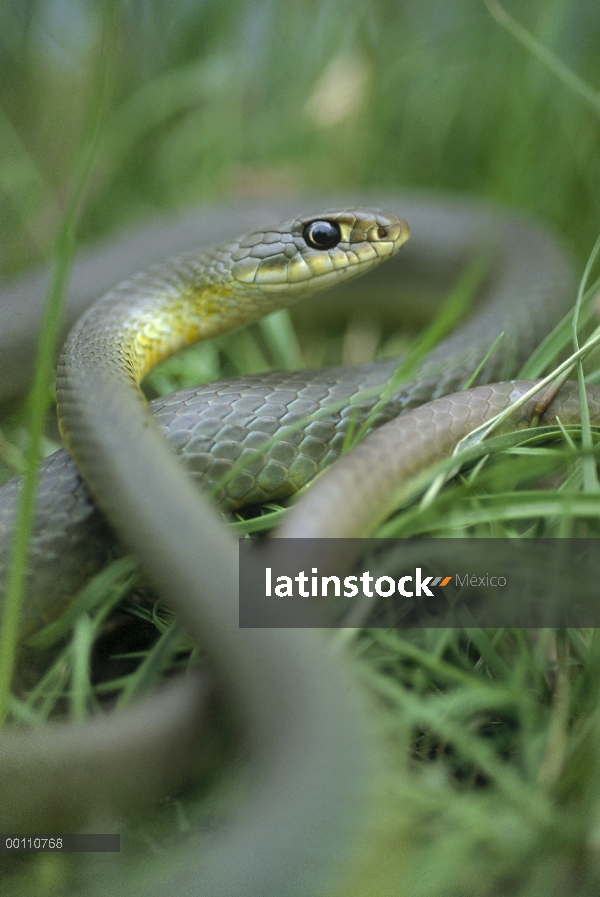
(322, 234)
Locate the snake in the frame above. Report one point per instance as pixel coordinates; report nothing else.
(293, 699)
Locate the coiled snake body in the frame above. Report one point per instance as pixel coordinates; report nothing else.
(294, 700)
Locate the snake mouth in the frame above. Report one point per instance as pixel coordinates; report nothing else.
(367, 237)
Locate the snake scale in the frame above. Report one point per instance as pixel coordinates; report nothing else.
(292, 698)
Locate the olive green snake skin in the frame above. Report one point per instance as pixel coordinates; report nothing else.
(293, 699)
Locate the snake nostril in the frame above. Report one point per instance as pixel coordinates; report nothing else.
(382, 232)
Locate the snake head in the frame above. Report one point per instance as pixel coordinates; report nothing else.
(317, 251)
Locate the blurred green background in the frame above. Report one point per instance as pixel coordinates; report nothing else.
(252, 97)
(209, 99)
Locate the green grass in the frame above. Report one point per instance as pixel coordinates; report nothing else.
(492, 736)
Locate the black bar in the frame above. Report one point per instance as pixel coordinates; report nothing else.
(420, 582)
(60, 843)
